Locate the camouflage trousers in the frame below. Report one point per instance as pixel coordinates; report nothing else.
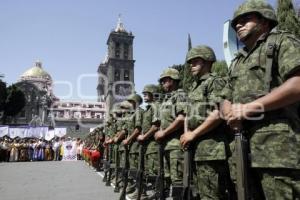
(279, 183)
(122, 158)
(174, 165)
(114, 153)
(134, 160)
(271, 183)
(212, 179)
(151, 163)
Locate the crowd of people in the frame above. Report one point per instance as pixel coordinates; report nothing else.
(35, 149)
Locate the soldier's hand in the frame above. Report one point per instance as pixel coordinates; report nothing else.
(125, 142)
(237, 114)
(141, 138)
(159, 135)
(115, 140)
(187, 138)
(225, 109)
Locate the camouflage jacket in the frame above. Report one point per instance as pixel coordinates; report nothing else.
(274, 140)
(150, 116)
(204, 97)
(122, 126)
(173, 104)
(131, 122)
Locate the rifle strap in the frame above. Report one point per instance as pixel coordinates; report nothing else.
(270, 55)
(206, 90)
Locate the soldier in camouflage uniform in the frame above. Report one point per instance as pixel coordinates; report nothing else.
(108, 134)
(100, 138)
(110, 131)
(171, 117)
(150, 126)
(134, 128)
(114, 130)
(121, 130)
(264, 100)
(204, 125)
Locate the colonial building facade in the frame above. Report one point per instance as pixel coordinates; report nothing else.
(36, 84)
(44, 108)
(68, 110)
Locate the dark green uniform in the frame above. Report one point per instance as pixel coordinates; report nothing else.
(173, 104)
(151, 156)
(134, 121)
(274, 138)
(210, 153)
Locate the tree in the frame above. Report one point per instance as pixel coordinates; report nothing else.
(220, 68)
(287, 17)
(14, 103)
(3, 95)
(180, 68)
(188, 78)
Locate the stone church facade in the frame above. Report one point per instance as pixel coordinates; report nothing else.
(116, 72)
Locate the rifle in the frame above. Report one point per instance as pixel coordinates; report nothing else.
(241, 150)
(140, 171)
(117, 169)
(125, 173)
(241, 145)
(159, 183)
(187, 193)
(110, 153)
(106, 163)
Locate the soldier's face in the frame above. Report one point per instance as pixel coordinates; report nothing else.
(167, 84)
(248, 26)
(147, 97)
(197, 66)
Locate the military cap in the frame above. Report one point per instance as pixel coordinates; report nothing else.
(151, 88)
(201, 51)
(125, 105)
(171, 73)
(255, 6)
(136, 98)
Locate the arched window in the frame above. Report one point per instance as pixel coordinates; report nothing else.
(117, 50)
(126, 75)
(126, 50)
(117, 75)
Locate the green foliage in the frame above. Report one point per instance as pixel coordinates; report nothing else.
(287, 17)
(3, 95)
(15, 101)
(180, 68)
(188, 78)
(220, 68)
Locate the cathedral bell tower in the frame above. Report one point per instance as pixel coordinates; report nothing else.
(116, 72)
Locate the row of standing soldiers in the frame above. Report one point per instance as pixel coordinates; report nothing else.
(147, 147)
(226, 138)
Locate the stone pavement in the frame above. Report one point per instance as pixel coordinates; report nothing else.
(53, 180)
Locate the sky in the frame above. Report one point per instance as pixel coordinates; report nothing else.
(69, 37)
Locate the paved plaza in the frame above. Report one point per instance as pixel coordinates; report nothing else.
(62, 180)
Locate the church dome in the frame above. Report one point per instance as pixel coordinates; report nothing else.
(36, 72)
